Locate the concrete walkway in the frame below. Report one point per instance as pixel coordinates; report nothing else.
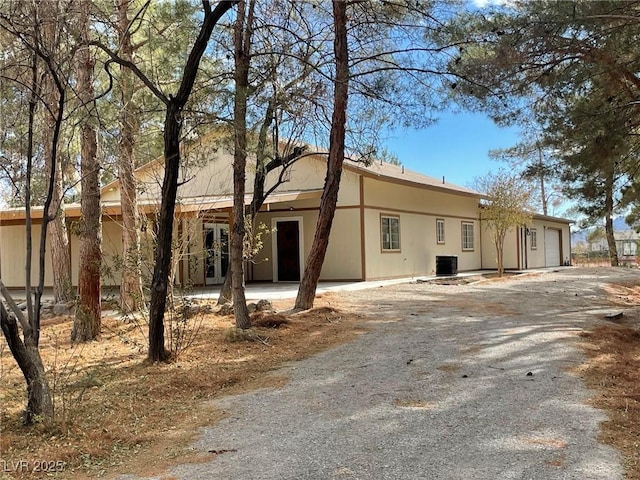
(285, 290)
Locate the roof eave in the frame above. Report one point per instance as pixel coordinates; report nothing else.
(445, 188)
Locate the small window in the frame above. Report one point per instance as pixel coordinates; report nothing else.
(440, 230)
(467, 236)
(390, 233)
(534, 238)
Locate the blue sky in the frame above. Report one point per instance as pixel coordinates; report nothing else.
(457, 146)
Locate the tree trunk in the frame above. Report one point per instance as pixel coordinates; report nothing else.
(608, 219)
(259, 195)
(611, 241)
(500, 255)
(131, 298)
(542, 175)
(33, 104)
(329, 200)
(499, 237)
(164, 234)
(226, 295)
(172, 127)
(27, 356)
(242, 45)
(59, 237)
(86, 325)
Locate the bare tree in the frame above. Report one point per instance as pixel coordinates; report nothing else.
(50, 18)
(32, 27)
(378, 59)
(508, 207)
(285, 89)
(27, 356)
(174, 105)
(25, 350)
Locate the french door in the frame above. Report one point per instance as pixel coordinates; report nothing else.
(216, 247)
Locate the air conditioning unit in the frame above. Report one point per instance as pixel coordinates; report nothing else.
(446, 265)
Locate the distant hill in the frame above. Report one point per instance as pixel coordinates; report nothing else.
(619, 225)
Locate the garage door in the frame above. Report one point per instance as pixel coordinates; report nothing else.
(552, 247)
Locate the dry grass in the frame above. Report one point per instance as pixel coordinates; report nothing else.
(112, 406)
(612, 370)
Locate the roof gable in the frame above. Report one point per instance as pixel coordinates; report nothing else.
(382, 171)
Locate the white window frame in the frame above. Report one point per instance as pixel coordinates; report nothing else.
(468, 236)
(533, 233)
(440, 231)
(386, 237)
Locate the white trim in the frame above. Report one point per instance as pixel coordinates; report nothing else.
(217, 229)
(534, 234)
(387, 235)
(440, 241)
(463, 224)
(274, 244)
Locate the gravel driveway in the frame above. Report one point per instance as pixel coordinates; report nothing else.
(451, 382)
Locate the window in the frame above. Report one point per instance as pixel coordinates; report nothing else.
(440, 230)
(390, 232)
(467, 236)
(534, 238)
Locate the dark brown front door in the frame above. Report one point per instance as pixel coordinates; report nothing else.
(288, 235)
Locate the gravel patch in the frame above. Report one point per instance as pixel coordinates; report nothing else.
(451, 382)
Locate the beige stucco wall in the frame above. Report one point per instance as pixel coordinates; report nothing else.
(418, 246)
(414, 199)
(343, 258)
(208, 173)
(111, 253)
(418, 210)
(515, 251)
(489, 253)
(309, 174)
(215, 177)
(193, 251)
(565, 241)
(535, 256)
(13, 254)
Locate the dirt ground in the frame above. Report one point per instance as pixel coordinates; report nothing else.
(112, 407)
(612, 370)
